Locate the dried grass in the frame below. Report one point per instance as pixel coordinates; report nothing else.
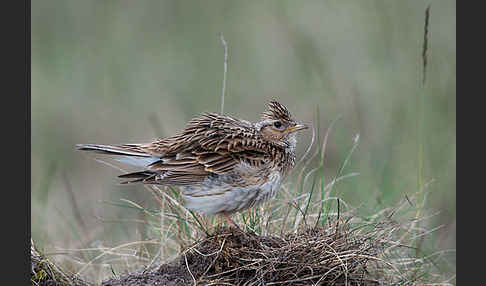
(43, 272)
(344, 252)
(339, 254)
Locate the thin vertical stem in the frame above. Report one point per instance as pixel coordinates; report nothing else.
(225, 45)
(420, 120)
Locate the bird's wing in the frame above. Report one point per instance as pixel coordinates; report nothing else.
(210, 144)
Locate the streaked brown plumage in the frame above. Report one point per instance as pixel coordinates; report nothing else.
(222, 164)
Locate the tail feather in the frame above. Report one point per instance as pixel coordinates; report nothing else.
(126, 154)
(138, 176)
(110, 149)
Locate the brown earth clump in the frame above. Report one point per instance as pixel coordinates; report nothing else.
(336, 255)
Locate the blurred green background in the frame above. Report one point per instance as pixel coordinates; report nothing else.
(131, 71)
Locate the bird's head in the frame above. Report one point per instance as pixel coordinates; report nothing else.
(278, 125)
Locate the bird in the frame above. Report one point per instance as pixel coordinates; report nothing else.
(222, 165)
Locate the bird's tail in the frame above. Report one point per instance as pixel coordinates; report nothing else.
(127, 150)
(128, 154)
(138, 177)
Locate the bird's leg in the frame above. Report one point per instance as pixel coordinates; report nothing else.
(228, 219)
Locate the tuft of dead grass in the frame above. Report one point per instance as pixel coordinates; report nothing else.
(336, 255)
(340, 253)
(43, 272)
(313, 256)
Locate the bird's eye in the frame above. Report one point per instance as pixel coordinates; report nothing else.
(277, 124)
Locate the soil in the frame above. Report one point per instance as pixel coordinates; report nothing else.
(233, 257)
(169, 275)
(177, 274)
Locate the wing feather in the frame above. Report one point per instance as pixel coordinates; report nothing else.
(211, 144)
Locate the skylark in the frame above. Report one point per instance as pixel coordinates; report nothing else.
(222, 164)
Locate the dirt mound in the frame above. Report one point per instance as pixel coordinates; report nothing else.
(314, 256)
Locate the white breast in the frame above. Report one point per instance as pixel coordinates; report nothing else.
(219, 196)
(269, 189)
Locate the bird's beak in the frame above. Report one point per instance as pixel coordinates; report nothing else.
(296, 128)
